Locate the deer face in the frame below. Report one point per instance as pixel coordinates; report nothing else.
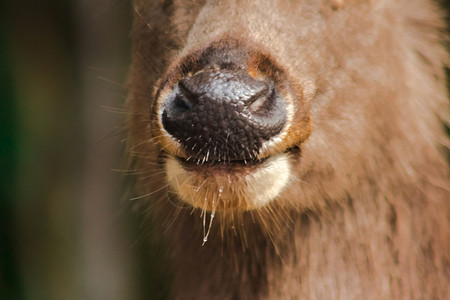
(226, 114)
(225, 95)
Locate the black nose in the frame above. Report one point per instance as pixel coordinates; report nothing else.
(223, 115)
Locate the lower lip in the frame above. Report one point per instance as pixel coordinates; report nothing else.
(244, 187)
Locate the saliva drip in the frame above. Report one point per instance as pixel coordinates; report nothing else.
(213, 213)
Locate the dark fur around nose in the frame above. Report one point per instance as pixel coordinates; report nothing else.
(223, 115)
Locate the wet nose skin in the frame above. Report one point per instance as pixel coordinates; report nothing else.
(223, 115)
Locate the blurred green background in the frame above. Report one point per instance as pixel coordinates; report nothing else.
(64, 233)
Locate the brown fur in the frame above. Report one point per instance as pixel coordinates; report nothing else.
(367, 212)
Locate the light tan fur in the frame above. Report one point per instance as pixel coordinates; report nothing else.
(366, 212)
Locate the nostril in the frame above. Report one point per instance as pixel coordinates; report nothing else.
(184, 99)
(261, 103)
(181, 104)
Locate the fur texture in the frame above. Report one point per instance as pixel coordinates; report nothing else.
(366, 211)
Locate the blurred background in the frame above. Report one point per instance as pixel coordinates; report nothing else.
(64, 231)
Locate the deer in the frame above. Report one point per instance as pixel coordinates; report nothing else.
(293, 149)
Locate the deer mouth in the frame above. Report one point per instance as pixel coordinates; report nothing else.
(230, 185)
(231, 165)
(227, 166)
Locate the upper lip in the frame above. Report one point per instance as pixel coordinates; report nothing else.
(209, 162)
